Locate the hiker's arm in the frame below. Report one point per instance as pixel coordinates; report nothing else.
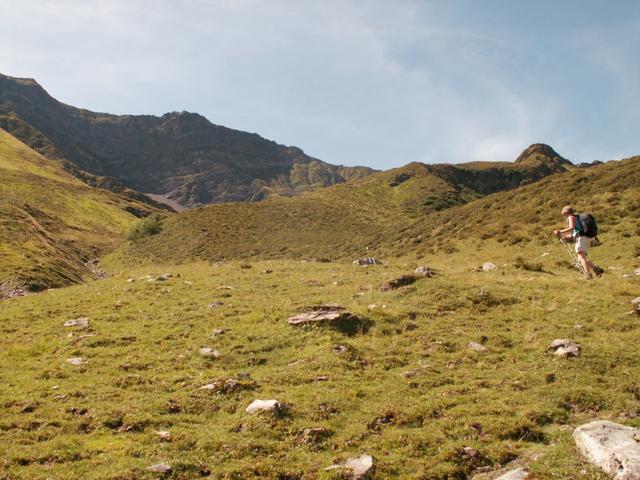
(569, 229)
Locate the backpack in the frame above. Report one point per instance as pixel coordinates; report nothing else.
(586, 225)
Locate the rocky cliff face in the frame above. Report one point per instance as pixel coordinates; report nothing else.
(180, 155)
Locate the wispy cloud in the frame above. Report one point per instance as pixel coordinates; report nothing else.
(374, 82)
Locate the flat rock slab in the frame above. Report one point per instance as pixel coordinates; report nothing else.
(76, 361)
(77, 322)
(270, 406)
(402, 281)
(329, 312)
(367, 261)
(209, 352)
(160, 468)
(561, 347)
(361, 468)
(517, 474)
(613, 447)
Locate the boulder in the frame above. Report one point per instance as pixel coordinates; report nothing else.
(562, 347)
(77, 322)
(424, 272)
(361, 468)
(270, 406)
(367, 261)
(613, 447)
(517, 474)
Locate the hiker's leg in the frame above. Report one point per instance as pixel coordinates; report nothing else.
(586, 268)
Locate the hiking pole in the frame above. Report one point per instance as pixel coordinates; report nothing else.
(573, 255)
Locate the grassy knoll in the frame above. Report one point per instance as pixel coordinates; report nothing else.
(406, 389)
(50, 222)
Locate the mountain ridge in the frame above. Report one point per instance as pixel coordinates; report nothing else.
(180, 154)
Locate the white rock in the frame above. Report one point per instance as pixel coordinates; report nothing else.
(76, 361)
(637, 272)
(361, 467)
(635, 301)
(488, 266)
(517, 474)
(77, 322)
(424, 272)
(209, 352)
(273, 406)
(367, 261)
(613, 447)
(164, 435)
(562, 347)
(477, 347)
(162, 467)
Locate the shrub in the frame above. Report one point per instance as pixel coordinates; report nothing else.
(151, 225)
(520, 262)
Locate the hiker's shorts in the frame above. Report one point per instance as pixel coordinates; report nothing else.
(582, 244)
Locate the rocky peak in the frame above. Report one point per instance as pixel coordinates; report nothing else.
(541, 153)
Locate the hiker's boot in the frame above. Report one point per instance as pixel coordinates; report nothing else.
(598, 271)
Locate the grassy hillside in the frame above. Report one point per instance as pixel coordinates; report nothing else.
(50, 222)
(406, 388)
(527, 215)
(338, 222)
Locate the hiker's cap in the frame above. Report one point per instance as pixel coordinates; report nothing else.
(567, 210)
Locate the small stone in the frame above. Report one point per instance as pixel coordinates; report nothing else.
(265, 272)
(164, 436)
(488, 266)
(564, 348)
(613, 447)
(477, 347)
(271, 406)
(77, 322)
(627, 275)
(76, 361)
(321, 378)
(209, 352)
(216, 332)
(367, 261)
(340, 349)
(162, 467)
(313, 435)
(517, 474)
(637, 272)
(544, 254)
(469, 452)
(361, 468)
(131, 280)
(424, 272)
(215, 304)
(224, 287)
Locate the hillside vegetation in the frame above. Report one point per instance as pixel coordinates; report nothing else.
(51, 224)
(180, 155)
(406, 386)
(340, 221)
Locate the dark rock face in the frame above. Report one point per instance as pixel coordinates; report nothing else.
(179, 155)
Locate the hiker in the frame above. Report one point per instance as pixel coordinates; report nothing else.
(575, 232)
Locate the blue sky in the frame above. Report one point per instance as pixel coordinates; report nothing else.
(377, 83)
